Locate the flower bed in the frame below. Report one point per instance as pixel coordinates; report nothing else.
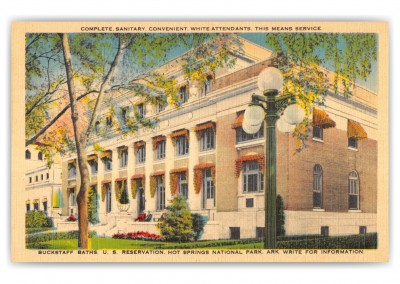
(139, 235)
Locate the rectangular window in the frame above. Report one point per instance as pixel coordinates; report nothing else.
(182, 146)
(207, 141)
(208, 189)
(108, 197)
(47, 176)
(183, 185)
(363, 230)
(234, 233)
(72, 198)
(160, 150)
(107, 164)
(318, 133)
(93, 167)
(28, 207)
(207, 85)
(253, 180)
(124, 114)
(109, 121)
(71, 171)
(41, 177)
(160, 193)
(325, 231)
(352, 143)
(36, 178)
(36, 206)
(141, 154)
(45, 206)
(249, 202)
(160, 106)
(183, 95)
(242, 136)
(30, 179)
(140, 110)
(123, 159)
(260, 232)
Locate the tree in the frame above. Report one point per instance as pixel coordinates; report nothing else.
(304, 59)
(69, 77)
(176, 224)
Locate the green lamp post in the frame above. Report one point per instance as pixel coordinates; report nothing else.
(268, 108)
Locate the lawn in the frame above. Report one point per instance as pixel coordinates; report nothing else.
(118, 244)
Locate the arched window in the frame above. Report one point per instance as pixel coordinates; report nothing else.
(354, 191)
(317, 187)
(40, 156)
(27, 154)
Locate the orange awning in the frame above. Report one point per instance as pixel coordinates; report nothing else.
(106, 155)
(138, 144)
(180, 170)
(321, 119)
(158, 173)
(180, 133)
(238, 121)
(120, 179)
(138, 176)
(204, 126)
(355, 130)
(91, 158)
(105, 181)
(204, 166)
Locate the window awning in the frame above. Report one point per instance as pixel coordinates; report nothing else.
(238, 121)
(120, 179)
(138, 176)
(44, 199)
(158, 173)
(180, 133)
(355, 130)
(204, 126)
(321, 119)
(91, 158)
(158, 139)
(36, 201)
(106, 155)
(204, 166)
(28, 202)
(180, 170)
(105, 181)
(138, 144)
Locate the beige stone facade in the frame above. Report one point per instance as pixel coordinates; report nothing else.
(315, 183)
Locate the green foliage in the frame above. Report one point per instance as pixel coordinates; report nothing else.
(367, 241)
(198, 223)
(37, 219)
(176, 224)
(300, 57)
(44, 237)
(57, 199)
(93, 205)
(280, 217)
(124, 199)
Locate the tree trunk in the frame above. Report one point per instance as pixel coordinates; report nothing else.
(82, 199)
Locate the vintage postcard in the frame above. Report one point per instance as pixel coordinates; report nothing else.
(200, 142)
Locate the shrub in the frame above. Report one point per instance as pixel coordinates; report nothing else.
(45, 237)
(176, 225)
(139, 235)
(198, 223)
(37, 219)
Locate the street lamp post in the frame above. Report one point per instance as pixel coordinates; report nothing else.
(268, 108)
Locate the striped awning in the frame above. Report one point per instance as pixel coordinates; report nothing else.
(355, 130)
(239, 121)
(321, 119)
(204, 126)
(106, 155)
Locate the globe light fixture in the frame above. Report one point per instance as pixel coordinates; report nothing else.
(270, 79)
(283, 126)
(253, 118)
(294, 114)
